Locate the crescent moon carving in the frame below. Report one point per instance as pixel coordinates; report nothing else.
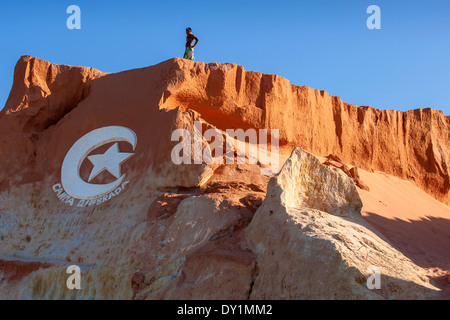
(71, 180)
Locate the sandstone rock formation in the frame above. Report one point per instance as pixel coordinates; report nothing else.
(200, 231)
(336, 162)
(318, 250)
(412, 145)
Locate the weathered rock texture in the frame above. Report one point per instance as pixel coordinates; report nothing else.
(299, 242)
(412, 145)
(182, 231)
(353, 173)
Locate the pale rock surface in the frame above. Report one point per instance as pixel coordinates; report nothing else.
(305, 252)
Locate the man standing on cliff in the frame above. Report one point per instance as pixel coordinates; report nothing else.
(189, 52)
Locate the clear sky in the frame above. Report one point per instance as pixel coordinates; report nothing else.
(323, 44)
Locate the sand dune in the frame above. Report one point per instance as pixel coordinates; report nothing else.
(411, 220)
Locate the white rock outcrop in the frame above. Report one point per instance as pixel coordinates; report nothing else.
(311, 242)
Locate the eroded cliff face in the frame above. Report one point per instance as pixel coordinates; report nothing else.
(42, 94)
(194, 231)
(412, 145)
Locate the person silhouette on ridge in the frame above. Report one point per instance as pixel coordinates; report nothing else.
(190, 38)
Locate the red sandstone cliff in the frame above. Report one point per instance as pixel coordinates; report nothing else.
(201, 231)
(412, 145)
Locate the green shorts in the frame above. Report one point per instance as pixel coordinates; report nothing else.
(189, 53)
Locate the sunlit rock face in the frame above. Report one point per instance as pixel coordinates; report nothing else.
(197, 230)
(312, 243)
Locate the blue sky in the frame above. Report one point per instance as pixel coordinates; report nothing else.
(323, 44)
